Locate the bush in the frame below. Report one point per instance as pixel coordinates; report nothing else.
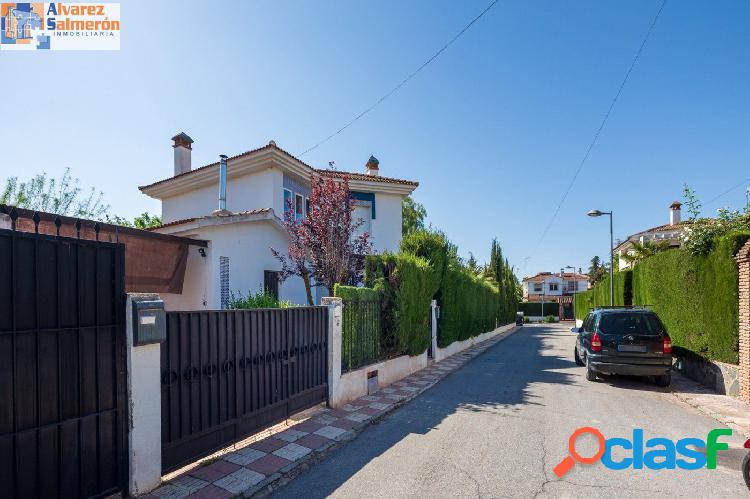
(598, 296)
(549, 318)
(259, 299)
(695, 296)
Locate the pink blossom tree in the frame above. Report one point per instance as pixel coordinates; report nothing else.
(324, 244)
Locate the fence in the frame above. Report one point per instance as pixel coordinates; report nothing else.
(361, 333)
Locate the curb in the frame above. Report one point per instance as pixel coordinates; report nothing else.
(291, 471)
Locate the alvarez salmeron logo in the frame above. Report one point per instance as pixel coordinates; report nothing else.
(59, 26)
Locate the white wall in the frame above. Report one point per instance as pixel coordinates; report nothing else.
(247, 244)
(262, 189)
(386, 228)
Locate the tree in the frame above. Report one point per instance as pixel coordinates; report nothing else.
(412, 216)
(143, 221)
(597, 270)
(472, 264)
(640, 251)
(692, 202)
(61, 196)
(325, 244)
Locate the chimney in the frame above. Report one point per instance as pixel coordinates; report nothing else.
(183, 145)
(222, 211)
(372, 166)
(674, 213)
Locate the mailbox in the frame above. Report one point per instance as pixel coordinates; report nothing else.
(149, 322)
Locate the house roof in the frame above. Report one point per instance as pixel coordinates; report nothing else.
(655, 230)
(271, 146)
(541, 276)
(240, 216)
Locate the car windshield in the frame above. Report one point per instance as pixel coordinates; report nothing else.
(630, 323)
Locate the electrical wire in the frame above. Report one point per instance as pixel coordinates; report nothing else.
(743, 182)
(404, 81)
(601, 127)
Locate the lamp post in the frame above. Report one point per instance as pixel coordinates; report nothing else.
(597, 213)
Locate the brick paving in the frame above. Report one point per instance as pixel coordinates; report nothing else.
(257, 466)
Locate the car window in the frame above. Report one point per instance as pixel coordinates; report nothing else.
(630, 323)
(588, 325)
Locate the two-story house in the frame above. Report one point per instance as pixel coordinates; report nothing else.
(670, 234)
(243, 219)
(555, 288)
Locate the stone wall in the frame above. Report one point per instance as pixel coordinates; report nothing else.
(743, 267)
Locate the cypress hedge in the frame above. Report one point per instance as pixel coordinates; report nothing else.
(694, 295)
(361, 325)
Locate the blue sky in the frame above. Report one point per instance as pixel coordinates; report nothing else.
(493, 129)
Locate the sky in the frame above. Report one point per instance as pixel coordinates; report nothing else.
(493, 129)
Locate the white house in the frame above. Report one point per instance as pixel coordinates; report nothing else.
(243, 226)
(549, 286)
(670, 233)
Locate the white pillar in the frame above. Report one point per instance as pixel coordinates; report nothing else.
(144, 399)
(335, 307)
(433, 311)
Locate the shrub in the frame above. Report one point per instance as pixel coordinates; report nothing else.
(598, 296)
(361, 326)
(469, 306)
(259, 299)
(549, 318)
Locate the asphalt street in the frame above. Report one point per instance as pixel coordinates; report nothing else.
(499, 425)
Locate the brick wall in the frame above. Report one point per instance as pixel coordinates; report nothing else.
(743, 266)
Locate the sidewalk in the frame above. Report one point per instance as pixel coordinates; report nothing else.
(728, 410)
(268, 463)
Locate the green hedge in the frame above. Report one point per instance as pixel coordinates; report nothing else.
(535, 309)
(695, 297)
(599, 295)
(469, 306)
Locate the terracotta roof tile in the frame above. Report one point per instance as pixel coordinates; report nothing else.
(193, 219)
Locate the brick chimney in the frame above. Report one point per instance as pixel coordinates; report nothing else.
(183, 146)
(372, 166)
(675, 213)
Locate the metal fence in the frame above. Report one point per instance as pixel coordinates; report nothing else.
(362, 334)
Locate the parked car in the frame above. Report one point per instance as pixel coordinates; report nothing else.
(630, 341)
(519, 318)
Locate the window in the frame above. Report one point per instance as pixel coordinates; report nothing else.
(271, 282)
(630, 323)
(224, 281)
(287, 200)
(299, 207)
(553, 286)
(361, 216)
(538, 287)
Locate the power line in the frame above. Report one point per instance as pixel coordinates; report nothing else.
(743, 182)
(405, 80)
(601, 127)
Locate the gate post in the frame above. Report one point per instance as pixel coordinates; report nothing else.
(335, 307)
(144, 403)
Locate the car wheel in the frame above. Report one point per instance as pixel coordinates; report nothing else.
(665, 380)
(746, 470)
(590, 373)
(579, 362)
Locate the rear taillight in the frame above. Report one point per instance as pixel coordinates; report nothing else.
(596, 343)
(667, 344)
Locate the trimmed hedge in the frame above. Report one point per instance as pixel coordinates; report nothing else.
(598, 296)
(361, 326)
(535, 309)
(469, 306)
(695, 296)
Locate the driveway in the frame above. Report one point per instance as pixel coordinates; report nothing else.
(498, 426)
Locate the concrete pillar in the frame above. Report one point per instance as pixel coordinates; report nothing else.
(743, 294)
(144, 398)
(433, 311)
(335, 307)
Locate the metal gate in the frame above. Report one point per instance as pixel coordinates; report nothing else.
(226, 374)
(62, 369)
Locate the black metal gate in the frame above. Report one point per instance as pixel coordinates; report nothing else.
(62, 368)
(226, 374)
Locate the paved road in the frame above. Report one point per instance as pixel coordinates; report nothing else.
(498, 426)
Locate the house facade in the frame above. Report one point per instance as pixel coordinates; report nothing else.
(670, 233)
(241, 230)
(555, 288)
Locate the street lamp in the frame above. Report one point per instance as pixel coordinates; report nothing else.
(597, 213)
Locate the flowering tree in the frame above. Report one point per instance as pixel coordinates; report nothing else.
(324, 244)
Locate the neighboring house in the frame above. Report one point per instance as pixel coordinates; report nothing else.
(671, 233)
(259, 184)
(555, 288)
